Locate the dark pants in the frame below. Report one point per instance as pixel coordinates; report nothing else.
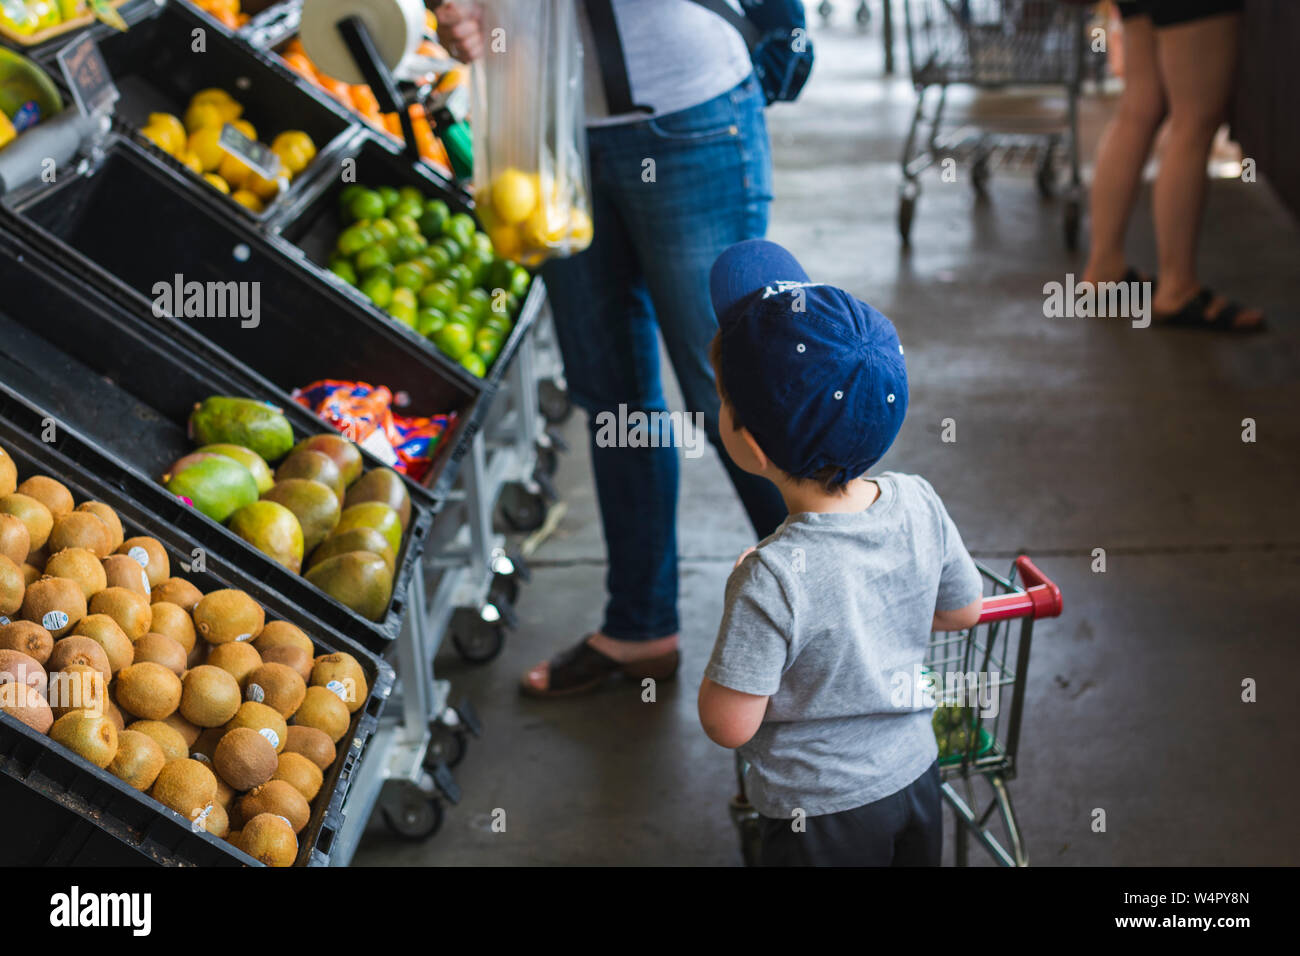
(902, 829)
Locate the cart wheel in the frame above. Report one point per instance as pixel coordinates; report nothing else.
(746, 820)
(548, 460)
(979, 176)
(476, 640)
(505, 587)
(824, 10)
(906, 207)
(554, 402)
(1073, 215)
(447, 745)
(863, 16)
(523, 510)
(410, 812)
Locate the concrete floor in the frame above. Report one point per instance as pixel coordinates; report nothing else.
(1071, 435)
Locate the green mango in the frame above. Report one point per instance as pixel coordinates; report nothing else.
(358, 579)
(354, 539)
(385, 485)
(249, 459)
(272, 529)
(344, 453)
(254, 425)
(377, 515)
(218, 486)
(314, 505)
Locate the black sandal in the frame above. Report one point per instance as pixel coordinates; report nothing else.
(582, 669)
(1195, 315)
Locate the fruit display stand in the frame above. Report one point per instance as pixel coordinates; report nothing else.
(52, 31)
(108, 374)
(71, 811)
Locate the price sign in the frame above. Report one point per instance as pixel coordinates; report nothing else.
(250, 152)
(87, 74)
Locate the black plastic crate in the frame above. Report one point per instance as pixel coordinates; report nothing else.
(70, 811)
(94, 367)
(127, 224)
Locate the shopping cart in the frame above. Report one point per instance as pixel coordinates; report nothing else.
(970, 674)
(994, 45)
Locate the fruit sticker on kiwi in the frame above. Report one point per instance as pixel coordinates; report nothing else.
(139, 555)
(243, 637)
(339, 689)
(200, 757)
(54, 620)
(200, 822)
(144, 579)
(272, 736)
(3, 620)
(256, 694)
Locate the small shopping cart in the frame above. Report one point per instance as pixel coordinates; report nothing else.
(976, 678)
(994, 45)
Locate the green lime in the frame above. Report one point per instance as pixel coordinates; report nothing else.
(355, 238)
(405, 296)
(346, 195)
(497, 322)
(406, 225)
(474, 365)
(371, 256)
(403, 313)
(390, 246)
(478, 301)
(441, 295)
(408, 247)
(412, 275)
(440, 256)
(479, 262)
(462, 276)
(389, 195)
(500, 273)
(487, 344)
(428, 321)
(453, 248)
(460, 227)
(411, 194)
(519, 281)
(378, 289)
(463, 315)
(343, 269)
(384, 228)
(483, 242)
(408, 209)
(454, 339)
(366, 204)
(435, 215)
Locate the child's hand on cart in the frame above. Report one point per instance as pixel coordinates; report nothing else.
(460, 29)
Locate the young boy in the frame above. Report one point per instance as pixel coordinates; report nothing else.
(828, 617)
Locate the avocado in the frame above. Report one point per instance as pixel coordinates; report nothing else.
(218, 486)
(272, 529)
(313, 504)
(383, 485)
(354, 539)
(343, 452)
(257, 426)
(358, 579)
(377, 515)
(249, 459)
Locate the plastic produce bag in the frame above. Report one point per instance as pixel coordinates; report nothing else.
(530, 147)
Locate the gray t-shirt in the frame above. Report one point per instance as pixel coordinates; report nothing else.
(678, 55)
(829, 618)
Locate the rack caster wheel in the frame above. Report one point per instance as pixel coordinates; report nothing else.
(509, 573)
(523, 510)
(447, 745)
(548, 460)
(410, 812)
(476, 639)
(907, 196)
(554, 401)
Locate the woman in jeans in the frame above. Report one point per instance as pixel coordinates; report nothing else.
(673, 184)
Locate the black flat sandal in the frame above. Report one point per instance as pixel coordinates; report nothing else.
(1195, 315)
(582, 669)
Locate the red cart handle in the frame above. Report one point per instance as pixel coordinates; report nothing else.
(1041, 598)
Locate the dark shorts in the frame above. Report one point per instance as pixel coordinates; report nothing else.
(902, 829)
(1168, 13)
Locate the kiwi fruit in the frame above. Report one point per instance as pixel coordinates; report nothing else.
(294, 657)
(38, 557)
(107, 515)
(8, 473)
(150, 555)
(31, 513)
(57, 604)
(173, 621)
(268, 839)
(245, 759)
(149, 690)
(129, 609)
(228, 615)
(189, 733)
(91, 735)
(165, 736)
(54, 495)
(342, 674)
(206, 744)
(15, 542)
(321, 708)
(216, 821)
(225, 792)
(199, 655)
(26, 704)
(301, 773)
(239, 659)
(121, 572)
(159, 649)
(80, 529)
(265, 720)
(103, 630)
(282, 633)
(13, 587)
(277, 686)
(186, 786)
(180, 592)
(210, 696)
(78, 687)
(22, 668)
(78, 649)
(138, 761)
(81, 565)
(313, 744)
(31, 574)
(279, 797)
(115, 713)
(30, 638)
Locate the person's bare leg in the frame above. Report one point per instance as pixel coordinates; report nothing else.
(1123, 152)
(1197, 62)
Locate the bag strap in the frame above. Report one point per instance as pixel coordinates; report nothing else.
(613, 65)
(745, 26)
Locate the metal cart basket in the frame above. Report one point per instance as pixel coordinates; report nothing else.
(993, 45)
(977, 680)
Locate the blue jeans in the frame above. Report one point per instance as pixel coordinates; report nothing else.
(658, 229)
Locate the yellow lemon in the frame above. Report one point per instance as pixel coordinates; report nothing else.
(217, 183)
(263, 189)
(295, 149)
(233, 171)
(248, 200)
(514, 196)
(203, 143)
(245, 127)
(164, 138)
(191, 161)
(580, 229)
(203, 115)
(227, 104)
(168, 121)
(505, 241)
(544, 228)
